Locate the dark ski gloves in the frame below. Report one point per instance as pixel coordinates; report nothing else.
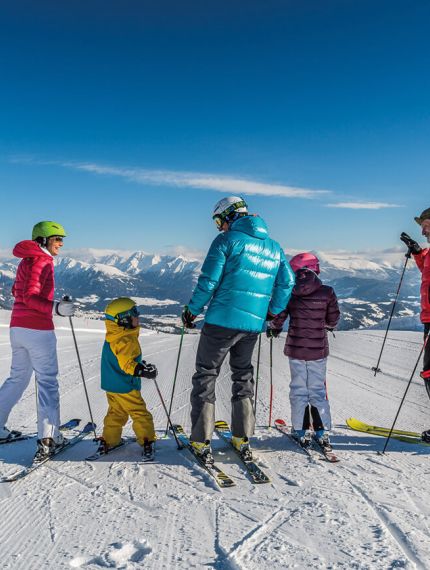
(188, 318)
(145, 370)
(412, 245)
(273, 333)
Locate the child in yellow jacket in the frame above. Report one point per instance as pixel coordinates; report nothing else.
(122, 368)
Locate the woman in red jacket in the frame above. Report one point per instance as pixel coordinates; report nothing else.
(32, 336)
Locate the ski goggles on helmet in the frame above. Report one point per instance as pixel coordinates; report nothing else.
(219, 219)
(124, 319)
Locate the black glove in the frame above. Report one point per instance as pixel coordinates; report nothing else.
(273, 333)
(188, 318)
(412, 245)
(145, 370)
(269, 316)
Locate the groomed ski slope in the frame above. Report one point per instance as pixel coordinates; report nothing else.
(366, 512)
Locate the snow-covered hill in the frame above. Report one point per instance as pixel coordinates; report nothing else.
(366, 512)
(365, 283)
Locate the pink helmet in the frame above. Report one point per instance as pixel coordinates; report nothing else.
(308, 260)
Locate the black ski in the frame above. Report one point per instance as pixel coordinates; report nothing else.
(212, 469)
(35, 465)
(102, 453)
(257, 474)
(15, 436)
(19, 436)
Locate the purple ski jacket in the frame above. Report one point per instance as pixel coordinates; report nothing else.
(312, 307)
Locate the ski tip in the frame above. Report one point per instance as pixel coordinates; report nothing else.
(280, 422)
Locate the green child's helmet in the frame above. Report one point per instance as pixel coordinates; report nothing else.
(47, 229)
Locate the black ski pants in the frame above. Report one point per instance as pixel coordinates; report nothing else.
(214, 345)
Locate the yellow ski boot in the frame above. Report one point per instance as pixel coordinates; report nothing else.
(241, 444)
(203, 451)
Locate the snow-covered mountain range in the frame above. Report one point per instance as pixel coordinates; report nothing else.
(365, 282)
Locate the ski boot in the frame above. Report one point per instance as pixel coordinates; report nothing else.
(322, 437)
(425, 436)
(148, 452)
(241, 444)
(103, 447)
(8, 435)
(203, 451)
(303, 437)
(47, 446)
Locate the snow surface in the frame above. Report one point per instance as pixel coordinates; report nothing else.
(367, 512)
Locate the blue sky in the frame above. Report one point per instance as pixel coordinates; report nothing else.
(126, 121)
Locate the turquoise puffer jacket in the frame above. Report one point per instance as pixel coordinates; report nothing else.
(245, 275)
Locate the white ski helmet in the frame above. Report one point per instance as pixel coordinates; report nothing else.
(227, 210)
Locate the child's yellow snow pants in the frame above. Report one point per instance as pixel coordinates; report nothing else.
(121, 406)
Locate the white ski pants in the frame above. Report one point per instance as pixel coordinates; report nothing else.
(33, 350)
(308, 386)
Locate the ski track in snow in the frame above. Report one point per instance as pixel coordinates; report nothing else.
(366, 512)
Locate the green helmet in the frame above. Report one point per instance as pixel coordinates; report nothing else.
(47, 229)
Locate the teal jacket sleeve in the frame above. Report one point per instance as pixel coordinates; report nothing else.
(283, 286)
(210, 276)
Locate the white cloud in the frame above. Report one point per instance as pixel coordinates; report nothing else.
(363, 205)
(204, 181)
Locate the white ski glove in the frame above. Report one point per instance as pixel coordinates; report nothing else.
(64, 308)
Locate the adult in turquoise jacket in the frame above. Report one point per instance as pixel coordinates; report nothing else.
(245, 277)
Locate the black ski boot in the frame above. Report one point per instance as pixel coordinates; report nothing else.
(425, 436)
(148, 452)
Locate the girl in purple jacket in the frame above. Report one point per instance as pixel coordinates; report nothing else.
(312, 309)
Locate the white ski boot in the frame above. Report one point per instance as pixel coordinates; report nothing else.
(8, 435)
(48, 446)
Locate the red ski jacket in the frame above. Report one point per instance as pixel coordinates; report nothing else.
(423, 261)
(33, 288)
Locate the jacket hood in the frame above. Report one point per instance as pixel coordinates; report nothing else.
(252, 225)
(307, 281)
(114, 332)
(29, 248)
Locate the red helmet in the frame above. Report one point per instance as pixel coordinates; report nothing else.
(308, 260)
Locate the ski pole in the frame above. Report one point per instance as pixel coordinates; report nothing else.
(169, 421)
(174, 379)
(258, 374)
(404, 395)
(271, 382)
(66, 298)
(376, 368)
